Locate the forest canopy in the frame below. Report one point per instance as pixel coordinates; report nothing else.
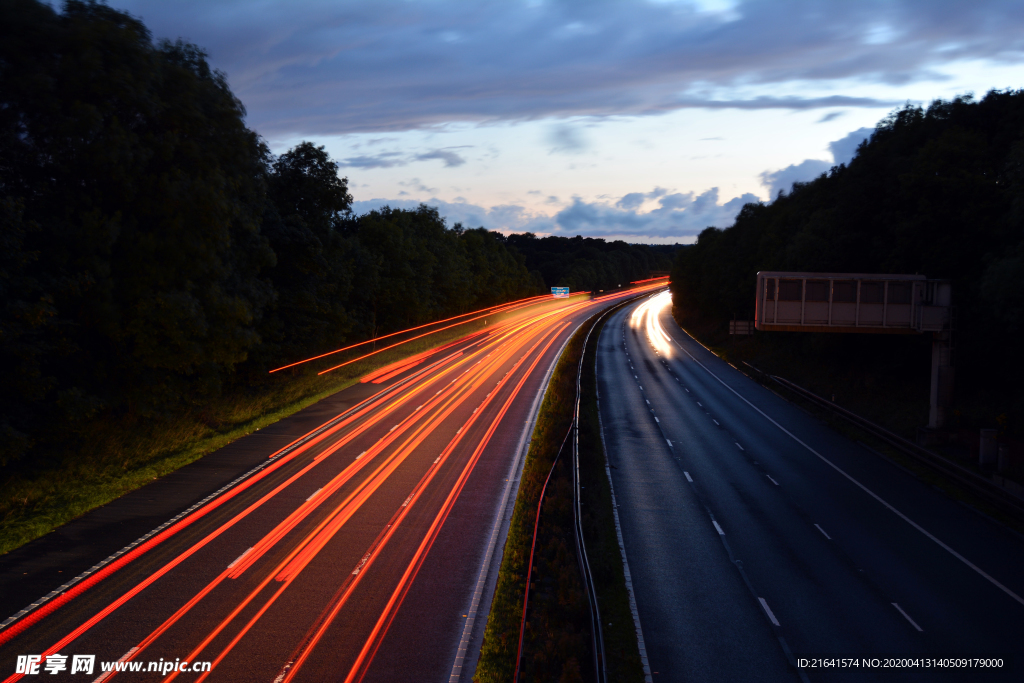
(154, 253)
(937, 191)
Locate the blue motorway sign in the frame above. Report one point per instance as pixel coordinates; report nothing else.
(560, 292)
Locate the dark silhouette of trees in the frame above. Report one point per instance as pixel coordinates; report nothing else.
(588, 264)
(936, 191)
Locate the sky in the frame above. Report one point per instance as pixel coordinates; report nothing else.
(643, 120)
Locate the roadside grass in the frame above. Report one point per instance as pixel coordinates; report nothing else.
(622, 651)
(557, 639)
(114, 455)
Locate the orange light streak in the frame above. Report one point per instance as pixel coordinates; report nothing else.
(503, 308)
(369, 649)
(650, 279)
(328, 618)
(425, 334)
(300, 557)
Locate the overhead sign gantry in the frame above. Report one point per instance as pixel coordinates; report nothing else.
(868, 304)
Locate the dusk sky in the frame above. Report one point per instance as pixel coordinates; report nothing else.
(646, 120)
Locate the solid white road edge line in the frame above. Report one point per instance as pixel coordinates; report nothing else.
(907, 616)
(861, 486)
(768, 610)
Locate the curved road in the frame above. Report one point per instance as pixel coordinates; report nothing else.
(357, 552)
(756, 536)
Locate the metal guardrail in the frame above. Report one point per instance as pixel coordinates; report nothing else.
(596, 632)
(978, 484)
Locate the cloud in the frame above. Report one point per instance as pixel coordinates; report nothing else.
(383, 160)
(448, 157)
(310, 67)
(678, 217)
(566, 139)
(393, 159)
(843, 150)
(832, 115)
(783, 179)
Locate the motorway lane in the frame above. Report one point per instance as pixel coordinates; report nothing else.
(842, 573)
(404, 489)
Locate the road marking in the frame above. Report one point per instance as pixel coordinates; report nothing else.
(641, 387)
(656, 419)
(362, 454)
(827, 536)
(772, 480)
(720, 532)
(239, 558)
(715, 421)
(688, 477)
(700, 404)
(687, 390)
(739, 446)
(769, 611)
(669, 443)
(307, 500)
(861, 486)
(907, 616)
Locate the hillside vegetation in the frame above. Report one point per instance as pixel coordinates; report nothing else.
(937, 191)
(156, 260)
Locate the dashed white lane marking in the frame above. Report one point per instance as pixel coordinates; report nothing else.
(715, 421)
(648, 402)
(981, 572)
(700, 404)
(771, 480)
(641, 387)
(768, 611)
(720, 532)
(823, 532)
(239, 558)
(740, 447)
(656, 419)
(907, 617)
(687, 390)
(635, 377)
(669, 443)
(688, 477)
(360, 455)
(310, 497)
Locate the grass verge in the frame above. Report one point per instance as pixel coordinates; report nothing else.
(557, 639)
(114, 455)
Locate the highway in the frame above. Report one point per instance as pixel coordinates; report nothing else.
(756, 536)
(360, 551)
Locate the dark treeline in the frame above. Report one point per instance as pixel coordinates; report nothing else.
(936, 191)
(154, 254)
(588, 264)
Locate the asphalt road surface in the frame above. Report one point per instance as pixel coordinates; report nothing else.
(359, 551)
(758, 537)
